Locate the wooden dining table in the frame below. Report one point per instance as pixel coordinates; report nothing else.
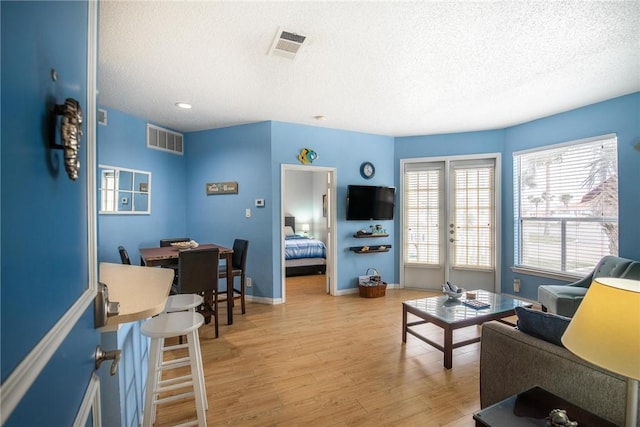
(168, 255)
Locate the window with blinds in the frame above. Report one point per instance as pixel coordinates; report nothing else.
(566, 205)
(422, 203)
(473, 189)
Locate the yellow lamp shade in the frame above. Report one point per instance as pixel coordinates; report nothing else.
(606, 328)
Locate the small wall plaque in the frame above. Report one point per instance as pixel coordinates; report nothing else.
(230, 187)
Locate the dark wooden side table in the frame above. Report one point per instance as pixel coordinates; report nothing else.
(530, 408)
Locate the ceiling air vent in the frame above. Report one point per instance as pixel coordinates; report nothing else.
(164, 139)
(287, 44)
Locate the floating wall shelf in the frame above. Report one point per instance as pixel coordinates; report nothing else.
(371, 249)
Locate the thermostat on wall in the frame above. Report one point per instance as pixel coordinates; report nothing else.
(259, 203)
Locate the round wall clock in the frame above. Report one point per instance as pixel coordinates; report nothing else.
(367, 170)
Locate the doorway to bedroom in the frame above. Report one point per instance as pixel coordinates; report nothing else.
(308, 236)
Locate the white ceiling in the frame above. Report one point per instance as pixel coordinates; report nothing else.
(392, 68)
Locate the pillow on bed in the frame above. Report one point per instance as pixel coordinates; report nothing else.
(288, 230)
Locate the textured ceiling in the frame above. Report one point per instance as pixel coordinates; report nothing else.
(390, 68)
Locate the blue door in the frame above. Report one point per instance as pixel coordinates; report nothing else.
(48, 264)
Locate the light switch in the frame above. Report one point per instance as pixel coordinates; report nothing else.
(247, 213)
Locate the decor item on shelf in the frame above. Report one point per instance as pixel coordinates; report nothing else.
(377, 229)
(70, 132)
(367, 170)
(605, 331)
(307, 156)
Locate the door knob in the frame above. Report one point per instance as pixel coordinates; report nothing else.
(452, 240)
(102, 355)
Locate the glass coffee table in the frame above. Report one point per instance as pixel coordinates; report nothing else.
(451, 314)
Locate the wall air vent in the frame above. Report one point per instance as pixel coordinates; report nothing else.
(164, 139)
(102, 117)
(287, 44)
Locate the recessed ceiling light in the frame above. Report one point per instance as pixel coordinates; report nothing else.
(183, 105)
(321, 118)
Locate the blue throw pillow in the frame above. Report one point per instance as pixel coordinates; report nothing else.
(546, 326)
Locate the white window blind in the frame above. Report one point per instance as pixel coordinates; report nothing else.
(422, 203)
(566, 205)
(473, 190)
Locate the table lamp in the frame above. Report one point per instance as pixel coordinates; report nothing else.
(606, 332)
(305, 228)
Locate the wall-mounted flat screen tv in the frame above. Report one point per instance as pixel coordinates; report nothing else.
(367, 202)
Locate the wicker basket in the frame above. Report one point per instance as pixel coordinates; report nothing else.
(373, 291)
(371, 285)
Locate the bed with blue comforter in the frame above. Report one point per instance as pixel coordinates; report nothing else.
(303, 255)
(296, 247)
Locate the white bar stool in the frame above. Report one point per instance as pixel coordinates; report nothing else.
(185, 302)
(182, 302)
(170, 325)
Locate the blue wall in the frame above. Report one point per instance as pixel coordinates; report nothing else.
(253, 154)
(241, 154)
(344, 151)
(123, 143)
(620, 116)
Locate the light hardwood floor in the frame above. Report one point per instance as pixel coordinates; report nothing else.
(320, 360)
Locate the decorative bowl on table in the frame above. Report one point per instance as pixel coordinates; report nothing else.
(184, 245)
(453, 295)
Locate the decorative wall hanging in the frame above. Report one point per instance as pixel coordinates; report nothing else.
(307, 156)
(230, 187)
(70, 131)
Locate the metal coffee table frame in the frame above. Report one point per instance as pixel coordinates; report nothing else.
(453, 314)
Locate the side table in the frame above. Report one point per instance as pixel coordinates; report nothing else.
(530, 408)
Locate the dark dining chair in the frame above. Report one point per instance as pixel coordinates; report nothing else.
(239, 266)
(168, 242)
(124, 256)
(198, 275)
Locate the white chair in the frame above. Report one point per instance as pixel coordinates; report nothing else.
(169, 325)
(182, 302)
(187, 302)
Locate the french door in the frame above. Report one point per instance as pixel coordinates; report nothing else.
(450, 222)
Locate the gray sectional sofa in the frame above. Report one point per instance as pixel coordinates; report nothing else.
(512, 361)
